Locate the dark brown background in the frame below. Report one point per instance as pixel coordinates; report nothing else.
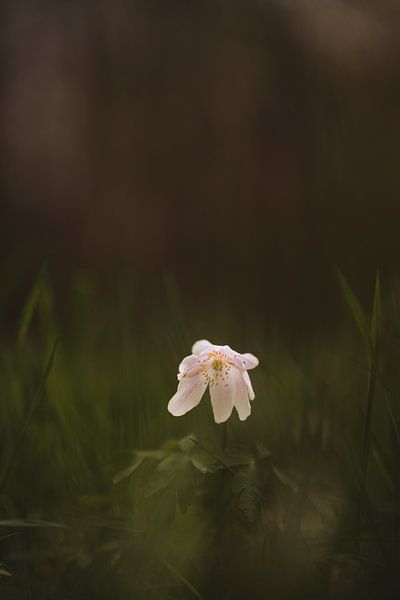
(244, 146)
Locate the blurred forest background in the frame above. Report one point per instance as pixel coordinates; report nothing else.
(190, 169)
(244, 146)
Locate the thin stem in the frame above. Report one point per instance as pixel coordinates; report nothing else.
(224, 435)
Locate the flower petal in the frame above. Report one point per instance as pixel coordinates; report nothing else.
(247, 381)
(201, 346)
(240, 394)
(190, 392)
(234, 357)
(249, 360)
(231, 392)
(244, 361)
(221, 401)
(189, 366)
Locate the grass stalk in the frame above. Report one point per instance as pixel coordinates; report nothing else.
(37, 399)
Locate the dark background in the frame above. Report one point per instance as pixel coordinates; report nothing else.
(245, 147)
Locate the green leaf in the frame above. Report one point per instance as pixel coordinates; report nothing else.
(165, 473)
(173, 476)
(125, 473)
(245, 484)
(203, 461)
(140, 456)
(187, 443)
(185, 494)
(238, 455)
(165, 510)
(262, 451)
(212, 464)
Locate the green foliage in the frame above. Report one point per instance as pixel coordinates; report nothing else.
(245, 484)
(106, 493)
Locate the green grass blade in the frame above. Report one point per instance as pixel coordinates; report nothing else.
(182, 579)
(355, 308)
(29, 523)
(376, 320)
(393, 420)
(38, 396)
(29, 307)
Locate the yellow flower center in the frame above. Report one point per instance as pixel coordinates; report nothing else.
(215, 368)
(217, 365)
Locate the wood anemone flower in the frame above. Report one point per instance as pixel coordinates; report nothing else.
(225, 371)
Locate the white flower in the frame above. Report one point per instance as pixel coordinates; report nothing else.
(225, 371)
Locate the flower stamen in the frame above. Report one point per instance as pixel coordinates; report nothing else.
(217, 365)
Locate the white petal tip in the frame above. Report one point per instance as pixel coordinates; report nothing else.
(200, 346)
(172, 411)
(175, 410)
(244, 418)
(250, 361)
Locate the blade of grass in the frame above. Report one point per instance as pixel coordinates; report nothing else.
(367, 436)
(396, 445)
(392, 418)
(355, 308)
(389, 397)
(38, 397)
(374, 339)
(354, 479)
(370, 334)
(29, 307)
(376, 321)
(182, 578)
(12, 523)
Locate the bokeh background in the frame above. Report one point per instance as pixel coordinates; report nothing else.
(245, 147)
(172, 170)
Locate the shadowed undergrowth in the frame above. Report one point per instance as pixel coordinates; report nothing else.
(103, 494)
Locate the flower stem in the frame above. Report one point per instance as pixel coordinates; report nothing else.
(224, 436)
